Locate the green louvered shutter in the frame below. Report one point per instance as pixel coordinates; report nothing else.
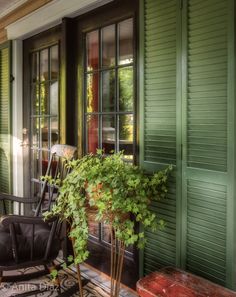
(5, 118)
(158, 143)
(205, 176)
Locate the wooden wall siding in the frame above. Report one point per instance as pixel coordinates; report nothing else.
(159, 121)
(187, 119)
(18, 13)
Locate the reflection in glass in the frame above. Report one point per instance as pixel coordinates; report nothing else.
(126, 101)
(35, 132)
(93, 227)
(54, 62)
(44, 65)
(54, 98)
(35, 170)
(44, 132)
(106, 233)
(92, 134)
(126, 135)
(92, 92)
(36, 189)
(125, 31)
(54, 131)
(35, 99)
(35, 67)
(108, 46)
(45, 158)
(92, 49)
(108, 134)
(108, 90)
(44, 94)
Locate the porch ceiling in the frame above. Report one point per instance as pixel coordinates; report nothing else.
(6, 6)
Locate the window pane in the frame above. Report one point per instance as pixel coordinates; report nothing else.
(54, 131)
(35, 170)
(35, 67)
(35, 132)
(126, 101)
(54, 98)
(92, 92)
(126, 135)
(125, 31)
(108, 90)
(108, 134)
(44, 133)
(45, 158)
(106, 233)
(92, 50)
(35, 99)
(54, 62)
(44, 65)
(44, 98)
(92, 134)
(108, 46)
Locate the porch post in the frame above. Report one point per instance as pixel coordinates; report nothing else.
(17, 117)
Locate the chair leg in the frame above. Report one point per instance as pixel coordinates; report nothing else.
(1, 277)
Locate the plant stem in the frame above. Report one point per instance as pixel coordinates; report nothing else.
(78, 270)
(112, 261)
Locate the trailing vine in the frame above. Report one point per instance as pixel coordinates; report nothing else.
(121, 194)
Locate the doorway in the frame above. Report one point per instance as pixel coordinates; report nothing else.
(107, 64)
(41, 105)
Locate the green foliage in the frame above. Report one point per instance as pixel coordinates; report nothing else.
(120, 192)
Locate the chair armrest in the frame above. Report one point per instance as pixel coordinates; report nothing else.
(11, 219)
(4, 196)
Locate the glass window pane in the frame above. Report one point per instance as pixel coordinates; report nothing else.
(44, 65)
(35, 67)
(54, 131)
(35, 169)
(54, 62)
(44, 132)
(126, 136)
(108, 134)
(44, 98)
(106, 233)
(45, 158)
(92, 92)
(35, 99)
(125, 31)
(92, 134)
(108, 46)
(36, 189)
(126, 101)
(54, 98)
(35, 132)
(92, 42)
(108, 90)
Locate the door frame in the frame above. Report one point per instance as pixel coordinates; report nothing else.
(37, 42)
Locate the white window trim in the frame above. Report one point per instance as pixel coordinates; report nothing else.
(50, 15)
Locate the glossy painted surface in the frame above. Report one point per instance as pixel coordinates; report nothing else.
(172, 282)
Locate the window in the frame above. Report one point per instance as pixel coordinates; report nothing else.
(44, 110)
(109, 89)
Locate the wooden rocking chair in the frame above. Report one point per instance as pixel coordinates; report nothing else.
(28, 241)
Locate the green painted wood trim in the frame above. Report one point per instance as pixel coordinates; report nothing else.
(141, 107)
(8, 45)
(178, 131)
(183, 202)
(10, 118)
(231, 204)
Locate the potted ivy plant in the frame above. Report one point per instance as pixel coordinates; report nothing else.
(120, 193)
